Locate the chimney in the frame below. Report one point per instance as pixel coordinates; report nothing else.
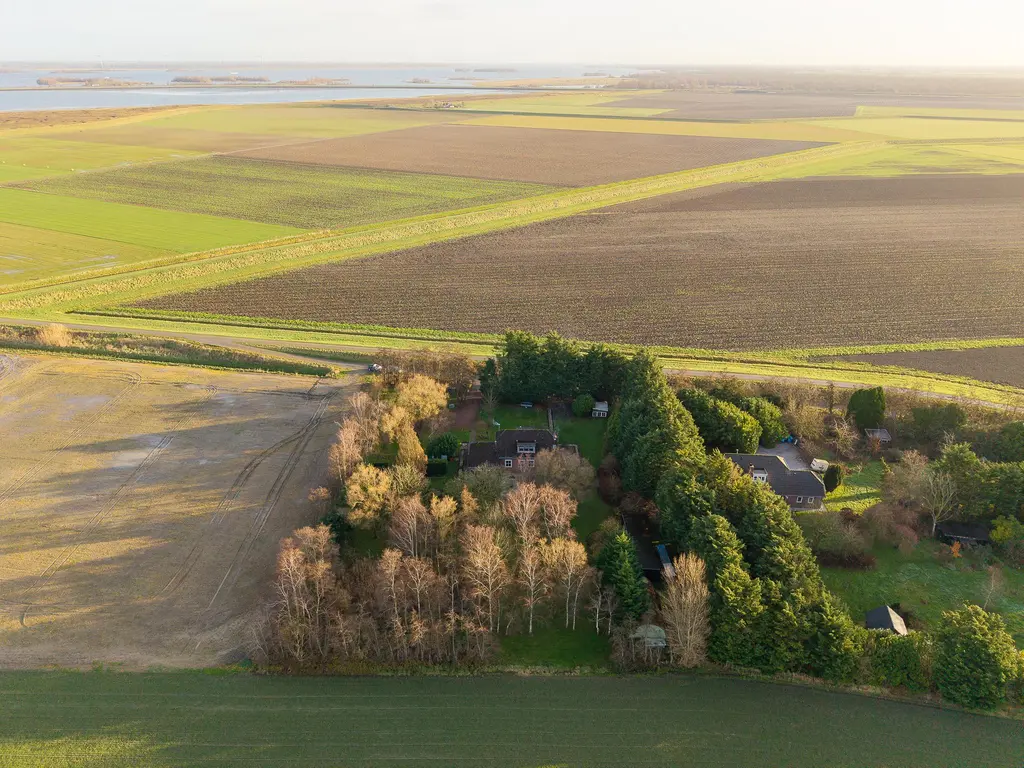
(750, 469)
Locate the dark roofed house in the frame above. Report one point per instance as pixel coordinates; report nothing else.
(801, 488)
(966, 533)
(513, 449)
(642, 534)
(885, 617)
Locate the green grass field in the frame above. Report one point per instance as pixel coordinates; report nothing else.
(298, 120)
(130, 224)
(58, 720)
(29, 253)
(926, 587)
(290, 195)
(53, 156)
(903, 159)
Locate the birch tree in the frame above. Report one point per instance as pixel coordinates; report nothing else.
(685, 611)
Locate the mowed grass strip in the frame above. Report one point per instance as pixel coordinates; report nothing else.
(61, 718)
(29, 253)
(303, 196)
(905, 159)
(58, 156)
(934, 129)
(750, 268)
(131, 224)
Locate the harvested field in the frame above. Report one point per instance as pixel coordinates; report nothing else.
(141, 506)
(741, 270)
(310, 197)
(568, 158)
(1002, 365)
(130, 224)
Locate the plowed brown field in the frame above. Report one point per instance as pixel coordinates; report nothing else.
(1003, 365)
(670, 271)
(141, 506)
(568, 158)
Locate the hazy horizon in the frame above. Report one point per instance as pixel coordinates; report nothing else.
(880, 33)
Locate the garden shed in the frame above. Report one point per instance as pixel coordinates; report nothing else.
(885, 617)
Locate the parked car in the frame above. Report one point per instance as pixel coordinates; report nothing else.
(374, 368)
(819, 465)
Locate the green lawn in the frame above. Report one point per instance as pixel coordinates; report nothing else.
(921, 583)
(590, 513)
(557, 647)
(587, 433)
(860, 489)
(303, 196)
(512, 417)
(57, 719)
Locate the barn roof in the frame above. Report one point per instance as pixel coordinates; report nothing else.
(885, 617)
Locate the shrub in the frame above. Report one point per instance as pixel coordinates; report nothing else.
(447, 444)
(437, 467)
(901, 661)
(975, 658)
(1009, 443)
(931, 424)
(834, 541)
(583, 405)
(867, 408)
(53, 335)
(834, 476)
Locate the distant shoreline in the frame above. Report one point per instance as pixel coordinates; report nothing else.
(480, 86)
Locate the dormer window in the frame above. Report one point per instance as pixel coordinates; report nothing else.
(759, 475)
(526, 447)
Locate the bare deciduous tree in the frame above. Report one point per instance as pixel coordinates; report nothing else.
(843, 437)
(521, 507)
(567, 561)
(485, 571)
(565, 469)
(345, 453)
(532, 580)
(558, 509)
(685, 611)
(938, 497)
(411, 527)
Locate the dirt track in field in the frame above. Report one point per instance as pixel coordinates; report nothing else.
(141, 506)
(567, 158)
(1002, 365)
(173, 138)
(669, 271)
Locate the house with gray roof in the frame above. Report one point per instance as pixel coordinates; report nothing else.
(801, 488)
(513, 449)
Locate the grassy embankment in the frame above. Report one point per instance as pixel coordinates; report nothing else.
(107, 719)
(150, 349)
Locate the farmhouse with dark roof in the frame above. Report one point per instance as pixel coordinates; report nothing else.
(513, 449)
(801, 488)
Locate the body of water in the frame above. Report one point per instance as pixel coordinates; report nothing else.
(87, 97)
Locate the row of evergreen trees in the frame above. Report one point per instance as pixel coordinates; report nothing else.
(770, 609)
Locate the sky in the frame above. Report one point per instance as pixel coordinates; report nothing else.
(948, 33)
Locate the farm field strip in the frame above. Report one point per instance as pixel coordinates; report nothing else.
(387, 237)
(61, 156)
(313, 120)
(936, 129)
(28, 253)
(810, 130)
(309, 197)
(117, 720)
(942, 267)
(148, 227)
(558, 158)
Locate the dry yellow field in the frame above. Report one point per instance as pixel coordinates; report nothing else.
(141, 506)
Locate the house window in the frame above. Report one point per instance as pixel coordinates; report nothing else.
(799, 499)
(527, 447)
(811, 500)
(508, 463)
(531, 462)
